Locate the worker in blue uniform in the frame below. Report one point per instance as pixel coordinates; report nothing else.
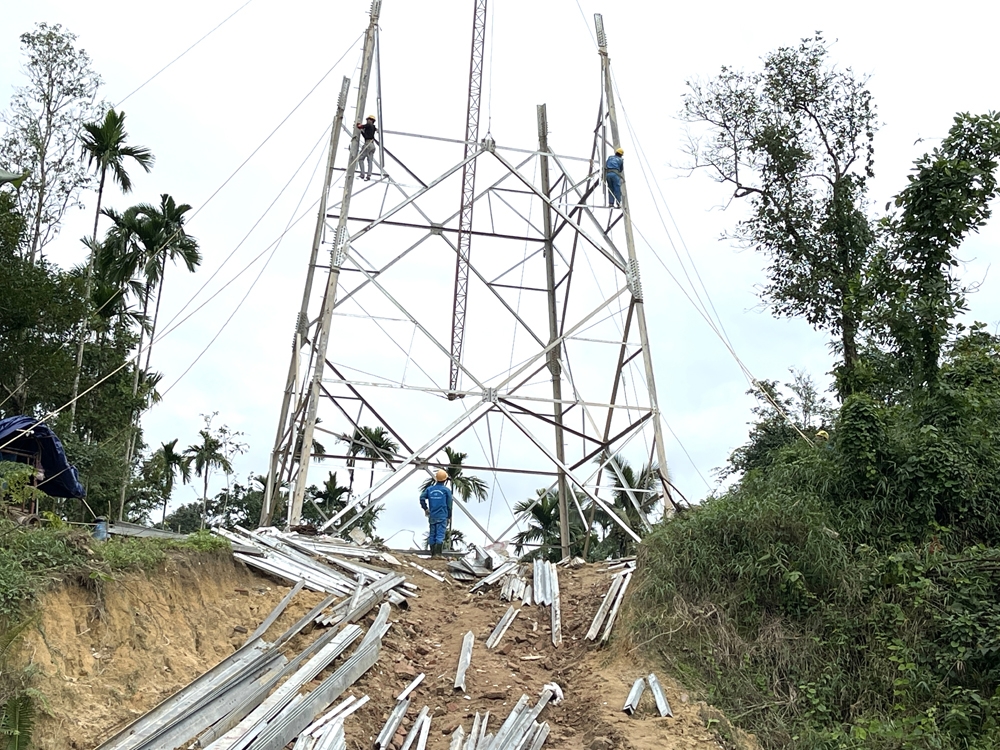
(368, 130)
(436, 502)
(613, 175)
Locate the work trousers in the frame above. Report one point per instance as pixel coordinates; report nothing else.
(614, 188)
(367, 155)
(437, 529)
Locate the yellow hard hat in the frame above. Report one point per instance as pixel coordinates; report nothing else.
(619, 151)
(823, 434)
(371, 117)
(441, 475)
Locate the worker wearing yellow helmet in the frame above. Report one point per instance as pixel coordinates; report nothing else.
(367, 153)
(614, 170)
(436, 501)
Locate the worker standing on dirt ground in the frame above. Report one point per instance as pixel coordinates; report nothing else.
(613, 175)
(436, 502)
(368, 130)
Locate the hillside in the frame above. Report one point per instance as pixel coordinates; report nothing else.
(103, 657)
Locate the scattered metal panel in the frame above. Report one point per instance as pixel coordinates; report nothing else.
(411, 736)
(329, 716)
(411, 687)
(614, 609)
(506, 728)
(276, 612)
(457, 737)
(464, 659)
(556, 610)
(634, 696)
(602, 611)
(392, 724)
(307, 618)
(661, 700)
(501, 627)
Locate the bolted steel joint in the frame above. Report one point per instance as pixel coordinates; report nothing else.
(490, 396)
(633, 280)
(489, 144)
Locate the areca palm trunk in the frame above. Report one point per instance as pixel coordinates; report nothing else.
(156, 312)
(87, 289)
(130, 446)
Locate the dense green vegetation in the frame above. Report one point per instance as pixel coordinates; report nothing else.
(844, 591)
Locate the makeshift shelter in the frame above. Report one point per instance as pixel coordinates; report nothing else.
(23, 440)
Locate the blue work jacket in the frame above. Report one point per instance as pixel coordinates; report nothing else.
(436, 500)
(615, 164)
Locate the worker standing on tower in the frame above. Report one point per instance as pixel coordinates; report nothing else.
(368, 130)
(613, 175)
(436, 503)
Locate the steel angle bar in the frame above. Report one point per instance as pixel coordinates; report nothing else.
(329, 716)
(304, 621)
(528, 736)
(508, 725)
(257, 722)
(411, 687)
(380, 621)
(333, 738)
(425, 730)
(414, 732)
(426, 571)
(526, 601)
(556, 611)
(602, 611)
(509, 739)
(276, 612)
(314, 582)
(501, 628)
(392, 724)
(457, 738)
(536, 580)
(634, 696)
(464, 659)
(290, 723)
(661, 700)
(231, 728)
(495, 576)
(540, 737)
(473, 740)
(175, 706)
(614, 609)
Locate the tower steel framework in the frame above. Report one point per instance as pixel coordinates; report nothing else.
(556, 357)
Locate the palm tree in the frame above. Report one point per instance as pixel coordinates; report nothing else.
(104, 145)
(205, 456)
(543, 527)
(627, 486)
(135, 254)
(172, 464)
(374, 443)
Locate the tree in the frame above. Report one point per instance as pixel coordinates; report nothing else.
(43, 125)
(104, 146)
(374, 443)
(796, 140)
(948, 197)
(543, 528)
(626, 484)
(170, 464)
(205, 456)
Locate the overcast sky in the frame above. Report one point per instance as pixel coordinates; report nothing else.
(206, 114)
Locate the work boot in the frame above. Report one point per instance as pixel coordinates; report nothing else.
(436, 550)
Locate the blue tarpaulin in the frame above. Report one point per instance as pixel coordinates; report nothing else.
(23, 441)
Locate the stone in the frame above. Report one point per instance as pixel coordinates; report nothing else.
(601, 743)
(452, 707)
(404, 670)
(421, 649)
(495, 695)
(240, 629)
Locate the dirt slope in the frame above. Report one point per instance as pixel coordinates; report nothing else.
(103, 661)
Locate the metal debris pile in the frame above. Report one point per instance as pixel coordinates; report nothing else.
(635, 696)
(254, 697)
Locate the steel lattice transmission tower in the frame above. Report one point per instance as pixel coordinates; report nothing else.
(549, 373)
